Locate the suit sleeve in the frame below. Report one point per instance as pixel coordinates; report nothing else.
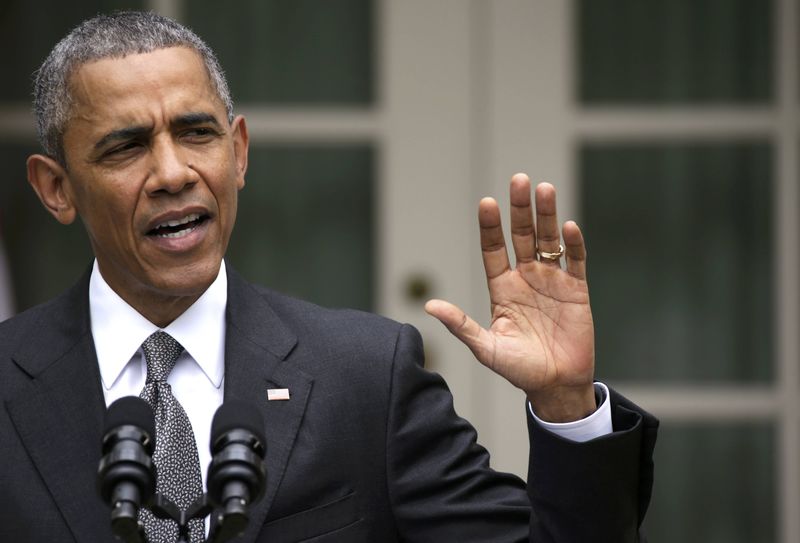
(442, 488)
(593, 491)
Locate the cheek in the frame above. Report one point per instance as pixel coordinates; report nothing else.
(228, 204)
(108, 214)
(224, 186)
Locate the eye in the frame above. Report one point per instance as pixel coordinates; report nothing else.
(200, 134)
(122, 150)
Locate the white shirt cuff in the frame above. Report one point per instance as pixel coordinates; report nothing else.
(595, 425)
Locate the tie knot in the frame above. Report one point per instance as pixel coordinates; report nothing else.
(161, 351)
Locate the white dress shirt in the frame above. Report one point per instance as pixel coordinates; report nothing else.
(119, 330)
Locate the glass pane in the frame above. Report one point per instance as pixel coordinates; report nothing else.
(28, 30)
(44, 256)
(291, 51)
(680, 260)
(714, 484)
(681, 51)
(305, 223)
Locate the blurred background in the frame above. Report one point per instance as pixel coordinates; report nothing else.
(670, 129)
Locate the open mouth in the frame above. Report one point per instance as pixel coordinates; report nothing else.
(178, 227)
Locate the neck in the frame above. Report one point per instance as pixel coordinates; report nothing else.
(163, 312)
(161, 299)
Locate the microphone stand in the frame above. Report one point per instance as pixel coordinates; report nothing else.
(230, 511)
(126, 476)
(124, 524)
(227, 523)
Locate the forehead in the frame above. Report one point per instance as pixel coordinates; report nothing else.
(141, 85)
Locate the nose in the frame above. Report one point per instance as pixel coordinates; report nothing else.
(171, 171)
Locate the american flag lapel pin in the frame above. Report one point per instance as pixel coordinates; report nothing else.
(277, 394)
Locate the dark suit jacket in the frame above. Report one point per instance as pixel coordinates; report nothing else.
(368, 448)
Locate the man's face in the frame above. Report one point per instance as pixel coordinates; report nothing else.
(153, 168)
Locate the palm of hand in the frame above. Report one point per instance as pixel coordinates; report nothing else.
(541, 331)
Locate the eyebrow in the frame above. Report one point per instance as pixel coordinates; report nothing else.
(193, 119)
(136, 132)
(122, 134)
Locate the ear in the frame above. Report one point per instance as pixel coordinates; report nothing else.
(240, 147)
(48, 178)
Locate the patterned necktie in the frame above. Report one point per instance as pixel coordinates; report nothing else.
(175, 457)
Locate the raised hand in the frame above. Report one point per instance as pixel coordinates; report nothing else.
(541, 337)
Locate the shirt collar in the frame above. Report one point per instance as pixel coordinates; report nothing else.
(119, 330)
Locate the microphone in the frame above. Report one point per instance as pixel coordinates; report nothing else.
(126, 476)
(237, 474)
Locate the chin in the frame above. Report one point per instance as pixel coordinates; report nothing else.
(186, 280)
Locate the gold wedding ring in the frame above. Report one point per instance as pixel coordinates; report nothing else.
(552, 257)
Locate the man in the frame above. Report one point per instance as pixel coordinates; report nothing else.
(141, 143)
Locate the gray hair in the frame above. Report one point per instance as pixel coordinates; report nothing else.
(108, 36)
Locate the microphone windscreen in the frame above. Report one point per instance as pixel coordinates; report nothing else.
(237, 414)
(130, 410)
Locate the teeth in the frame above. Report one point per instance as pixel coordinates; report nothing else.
(178, 222)
(178, 234)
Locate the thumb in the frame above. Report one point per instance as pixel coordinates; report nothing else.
(461, 325)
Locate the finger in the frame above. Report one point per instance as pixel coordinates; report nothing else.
(548, 237)
(575, 250)
(523, 233)
(493, 244)
(460, 325)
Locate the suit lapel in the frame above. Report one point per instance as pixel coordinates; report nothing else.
(257, 344)
(59, 418)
